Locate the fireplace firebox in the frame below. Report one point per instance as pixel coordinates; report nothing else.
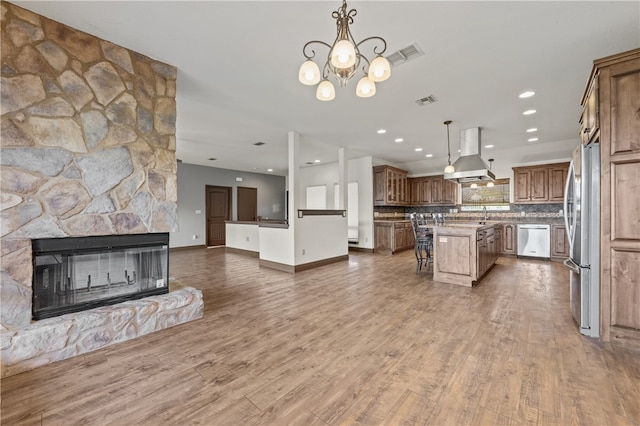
(79, 273)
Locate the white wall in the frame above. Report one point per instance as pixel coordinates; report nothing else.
(192, 181)
(358, 170)
(320, 237)
(242, 236)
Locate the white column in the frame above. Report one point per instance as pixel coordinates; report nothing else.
(342, 181)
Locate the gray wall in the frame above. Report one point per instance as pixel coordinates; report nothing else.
(192, 181)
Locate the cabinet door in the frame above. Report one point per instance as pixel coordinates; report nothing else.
(589, 121)
(426, 191)
(559, 242)
(557, 180)
(403, 189)
(539, 184)
(400, 240)
(391, 187)
(436, 190)
(521, 185)
(509, 235)
(380, 184)
(449, 192)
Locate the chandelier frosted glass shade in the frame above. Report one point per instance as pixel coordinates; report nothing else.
(449, 169)
(309, 73)
(325, 91)
(344, 60)
(366, 88)
(379, 69)
(343, 54)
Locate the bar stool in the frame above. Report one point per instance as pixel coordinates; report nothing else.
(423, 241)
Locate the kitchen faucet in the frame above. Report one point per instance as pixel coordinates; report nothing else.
(484, 209)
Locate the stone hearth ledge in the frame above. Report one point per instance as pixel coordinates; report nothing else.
(54, 339)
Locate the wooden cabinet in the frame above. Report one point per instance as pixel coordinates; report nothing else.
(462, 254)
(539, 184)
(390, 186)
(618, 103)
(449, 192)
(433, 191)
(486, 249)
(589, 120)
(391, 237)
(557, 180)
(559, 242)
(509, 239)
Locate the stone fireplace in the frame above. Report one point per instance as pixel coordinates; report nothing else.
(88, 149)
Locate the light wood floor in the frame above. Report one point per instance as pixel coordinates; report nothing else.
(360, 342)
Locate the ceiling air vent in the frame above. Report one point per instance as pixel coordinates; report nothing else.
(426, 100)
(259, 143)
(405, 54)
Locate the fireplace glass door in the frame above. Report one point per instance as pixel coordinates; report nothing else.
(73, 274)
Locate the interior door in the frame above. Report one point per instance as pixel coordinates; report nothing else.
(247, 204)
(218, 201)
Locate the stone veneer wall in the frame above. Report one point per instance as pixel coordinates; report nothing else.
(87, 146)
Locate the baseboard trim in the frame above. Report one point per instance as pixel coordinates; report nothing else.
(249, 253)
(305, 266)
(200, 246)
(362, 249)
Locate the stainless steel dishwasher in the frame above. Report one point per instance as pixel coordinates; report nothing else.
(534, 240)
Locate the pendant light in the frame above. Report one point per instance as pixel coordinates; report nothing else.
(449, 169)
(490, 184)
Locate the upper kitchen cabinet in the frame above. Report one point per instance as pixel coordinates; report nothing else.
(618, 79)
(433, 191)
(539, 184)
(589, 123)
(390, 186)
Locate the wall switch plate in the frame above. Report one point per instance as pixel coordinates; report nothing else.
(198, 211)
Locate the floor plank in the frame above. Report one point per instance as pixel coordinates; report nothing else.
(366, 342)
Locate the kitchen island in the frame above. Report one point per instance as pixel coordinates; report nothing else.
(464, 252)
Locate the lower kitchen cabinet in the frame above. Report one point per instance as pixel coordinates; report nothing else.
(509, 239)
(559, 242)
(391, 237)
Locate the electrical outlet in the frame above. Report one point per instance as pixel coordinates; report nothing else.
(247, 239)
(366, 239)
(304, 252)
(195, 237)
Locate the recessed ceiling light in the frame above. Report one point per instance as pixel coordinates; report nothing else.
(488, 146)
(532, 140)
(382, 131)
(418, 149)
(458, 150)
(398, 140)
(526, 94)
(212, 159)
(259, 143)
(429, 155)
(531, 130)
(529, 112)
(269, 170)
(316, 161)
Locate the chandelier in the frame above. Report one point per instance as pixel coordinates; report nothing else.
(344, 60)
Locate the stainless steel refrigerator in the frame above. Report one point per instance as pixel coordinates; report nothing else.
(582, 220)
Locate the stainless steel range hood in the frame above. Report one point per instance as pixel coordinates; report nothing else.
(470, 167)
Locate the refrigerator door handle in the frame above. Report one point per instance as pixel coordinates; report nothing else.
(570, 230)
(571, 265)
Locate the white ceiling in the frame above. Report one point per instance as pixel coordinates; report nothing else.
(238, 63)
